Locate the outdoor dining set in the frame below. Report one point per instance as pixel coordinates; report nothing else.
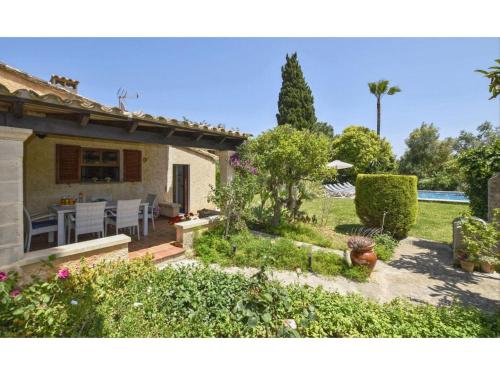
(70, 221)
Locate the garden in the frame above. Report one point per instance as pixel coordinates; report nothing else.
(275, 200)
(135, 299)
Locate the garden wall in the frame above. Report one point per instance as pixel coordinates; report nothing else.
(69, 256)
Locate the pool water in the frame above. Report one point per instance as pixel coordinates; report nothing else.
(445, 196)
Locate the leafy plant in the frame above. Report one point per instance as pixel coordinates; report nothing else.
(480, 240)
(385, 246)
(494, 76)
(134, 299)
(478, 165)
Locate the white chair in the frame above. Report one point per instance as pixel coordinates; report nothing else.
(152, 203)
(88, 218)
(126, 216)
(38, 224)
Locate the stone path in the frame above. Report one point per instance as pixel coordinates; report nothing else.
(421, 271)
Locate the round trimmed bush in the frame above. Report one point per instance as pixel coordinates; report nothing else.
(394, 194)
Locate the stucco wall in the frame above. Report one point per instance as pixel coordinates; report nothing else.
(201, 176)
(40, 189)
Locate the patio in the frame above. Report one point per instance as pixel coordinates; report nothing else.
(158, 243)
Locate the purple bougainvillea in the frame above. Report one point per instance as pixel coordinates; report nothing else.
(243, 165)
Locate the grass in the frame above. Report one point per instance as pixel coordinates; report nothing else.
(433, 218)
(247, 250)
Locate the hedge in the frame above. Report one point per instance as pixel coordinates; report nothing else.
(394, 194)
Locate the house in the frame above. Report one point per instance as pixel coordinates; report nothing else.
(56, 143)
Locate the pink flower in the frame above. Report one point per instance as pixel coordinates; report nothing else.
(63, 273)
(3, 276)
(15, 293)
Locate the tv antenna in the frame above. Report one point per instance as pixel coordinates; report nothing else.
(122, 94)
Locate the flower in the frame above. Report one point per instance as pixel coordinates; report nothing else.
(63, 273)
(290, 323)
(74, 302)
(14, 293)
(3, 276)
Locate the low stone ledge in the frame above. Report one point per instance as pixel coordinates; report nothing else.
(111, 248)
(185, 231)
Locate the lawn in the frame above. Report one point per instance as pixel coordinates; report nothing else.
(433, 220)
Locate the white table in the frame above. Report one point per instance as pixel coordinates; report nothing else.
(62, 210)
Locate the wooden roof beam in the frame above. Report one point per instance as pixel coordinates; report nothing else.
(133, 126)
(84, 120)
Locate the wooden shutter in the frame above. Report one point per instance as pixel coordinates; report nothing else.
(67, 164)
(132, 165)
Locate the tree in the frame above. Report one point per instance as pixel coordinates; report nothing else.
(487, 134)
(324, 128)
(287, 157)
(494, 76)
(234, 198)
(380, 89)
(295, 103)
(478, 165)
(364, 149)
(426, 153)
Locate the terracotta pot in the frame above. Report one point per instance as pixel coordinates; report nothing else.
(467, 266)
(487, 268)
(364, 257)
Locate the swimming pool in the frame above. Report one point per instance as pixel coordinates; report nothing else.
(442, 196)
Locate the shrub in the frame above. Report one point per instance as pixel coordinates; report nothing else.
(392, 196)
(478, 165)
(384, 246)
(134, 299)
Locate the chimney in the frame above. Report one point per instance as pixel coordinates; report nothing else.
(65, 83)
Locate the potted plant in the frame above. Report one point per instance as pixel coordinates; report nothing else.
(467, 262)
(488, 263)
(362, 253)
(481, 241)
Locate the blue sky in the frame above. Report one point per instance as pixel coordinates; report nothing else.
(236, 81)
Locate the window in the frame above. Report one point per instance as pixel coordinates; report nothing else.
(76, 164)
(100, 165)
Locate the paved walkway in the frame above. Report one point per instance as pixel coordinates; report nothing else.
(421, 271)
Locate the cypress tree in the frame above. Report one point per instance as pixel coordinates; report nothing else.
(296, 102)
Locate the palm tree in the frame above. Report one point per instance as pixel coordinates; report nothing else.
(379, 89)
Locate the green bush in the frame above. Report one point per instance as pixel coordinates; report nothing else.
(248, 250)
(394, 195)
(134, 299)
(384, 246)
(478, 165)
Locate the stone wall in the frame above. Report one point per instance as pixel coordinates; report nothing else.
(493, 195)
(186, 231)
(11, 193)
(111, 248)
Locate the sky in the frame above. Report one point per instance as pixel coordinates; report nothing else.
(236, 81)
